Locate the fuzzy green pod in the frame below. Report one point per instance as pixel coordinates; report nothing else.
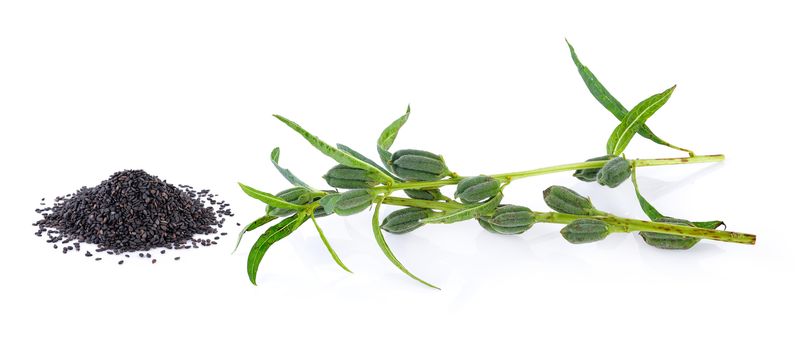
(428, 195)
(294, 195)
(614, 172)
(476, 189)
(589, 175)
(405, 220)
(585, 231)
(510, 220)
(342, 176)
(416, 165)
(353, 202)
(564, 200)
(664, 241)
(483, 221)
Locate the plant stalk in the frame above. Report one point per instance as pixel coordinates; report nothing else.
(619, 224)
(508, 177)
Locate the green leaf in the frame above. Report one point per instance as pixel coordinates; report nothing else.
(329, 201)
(270, 237)
(381, 241)
(340, 156)
(388, 135)
(610, 103)
(285, 172)
(636, 118)
(466, 213)
(267, 198)
(597, 89)
(366, 159)
(655, 215)
(252, 226)
(327, 244)
(648, 209)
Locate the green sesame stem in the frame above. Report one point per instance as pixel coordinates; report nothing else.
(508, 177)
(620, 224)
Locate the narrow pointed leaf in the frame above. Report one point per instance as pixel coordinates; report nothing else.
(381, 241)
(270, 237)
(252, 226)
(648, 209)
(338, 155)
(328, 246)
(610, 103)
(388, 135)
(636, 118)
(654, 214)
(267, 198)
(597, 89)
(285, 172)
(366, 159)
(466, 213)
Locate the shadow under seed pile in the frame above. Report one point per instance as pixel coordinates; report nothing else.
(133, 211)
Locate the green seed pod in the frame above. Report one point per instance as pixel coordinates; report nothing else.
(342, 176)
(664, 241)
(614, 172)
(294, 195)
(511, 219)
(405, 220)
(487, 225)
(589, 175)
(564, 200)
(428, 195)
(416, 165)
(585, 231)
(353, 202)
(475, 189)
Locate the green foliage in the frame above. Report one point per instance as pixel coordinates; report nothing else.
(422, 174)
(381, 242)
(275, 157)
(634, 120)
(610, 103)
(338, 155)
(270, 237)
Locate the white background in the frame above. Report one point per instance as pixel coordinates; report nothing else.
(185, 91)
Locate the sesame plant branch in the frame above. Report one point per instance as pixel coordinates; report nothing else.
(507, 177)
(417, 176)
(620, 224)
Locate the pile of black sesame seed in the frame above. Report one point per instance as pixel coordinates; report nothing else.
(133, 211)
